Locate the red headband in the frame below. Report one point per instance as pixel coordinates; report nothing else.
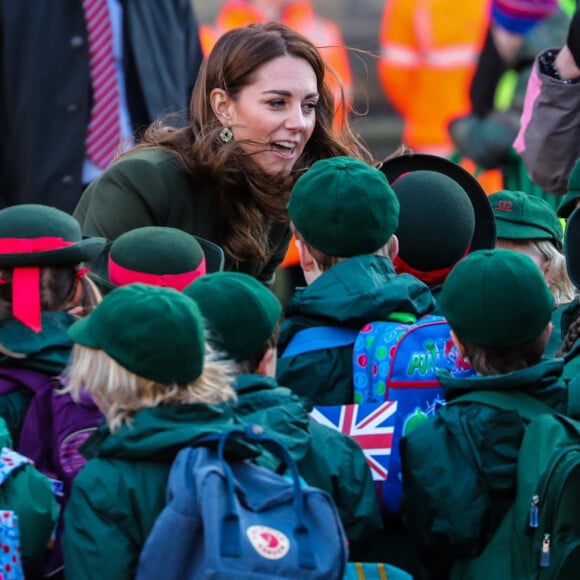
(432, 277)
(120, 276)
(26, 279)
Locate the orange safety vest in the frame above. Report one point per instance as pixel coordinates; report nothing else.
(300, 16)
(429, 52)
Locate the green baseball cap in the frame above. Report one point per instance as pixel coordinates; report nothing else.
(344, 207)
(496, 298)
(519, 216)
(156, 333)
(241, 312)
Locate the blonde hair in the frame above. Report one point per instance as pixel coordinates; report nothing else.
(554, 261)
(119, 393)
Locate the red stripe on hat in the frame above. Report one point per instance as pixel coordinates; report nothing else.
(32, 245)
(26, 279)
(120, 276)
(26, 296)
(431, 278)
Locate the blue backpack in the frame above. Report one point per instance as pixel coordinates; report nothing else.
(234, 520)
(394, 361)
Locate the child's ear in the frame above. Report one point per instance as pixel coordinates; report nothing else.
(267, 366)
(548, 330)
(307, 262)
(458, 344)
(77, 297)
(394, 247)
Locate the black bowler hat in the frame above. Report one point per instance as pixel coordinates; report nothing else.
(444, 213)
(33, 236)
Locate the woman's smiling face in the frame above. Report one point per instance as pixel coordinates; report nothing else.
(274, 116)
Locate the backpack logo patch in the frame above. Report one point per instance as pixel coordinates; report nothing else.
(69, 455)
(268, 542)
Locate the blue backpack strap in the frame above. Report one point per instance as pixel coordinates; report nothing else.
(319, 338)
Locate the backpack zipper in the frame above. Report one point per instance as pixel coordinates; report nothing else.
(550, 507)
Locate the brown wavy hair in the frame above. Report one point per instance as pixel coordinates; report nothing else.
(247, 197)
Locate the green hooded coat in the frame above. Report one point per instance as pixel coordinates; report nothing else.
(349, 295)
(326, 458)
(119, 493)
(459, 467)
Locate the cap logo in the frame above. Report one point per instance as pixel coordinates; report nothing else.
(268, 542)
(504, 206)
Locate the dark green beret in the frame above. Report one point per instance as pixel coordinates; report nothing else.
(240, 312)
(155, 333)
(344, 207)
(496, 298)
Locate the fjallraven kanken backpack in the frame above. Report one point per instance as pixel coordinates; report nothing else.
(233, 520)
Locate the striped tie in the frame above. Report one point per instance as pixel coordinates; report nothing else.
(104, 131)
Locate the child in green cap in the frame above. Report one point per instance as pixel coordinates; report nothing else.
(529, 225)
(142, 356)
(459, 468)
(242, 316)
(345, 214)
(42, 280)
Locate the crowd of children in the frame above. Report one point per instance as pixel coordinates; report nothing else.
(118, 353)
(178, 349)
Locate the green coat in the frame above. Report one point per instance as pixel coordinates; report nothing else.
(327, 459)
(151, 188)
(29, 493)
(48, 39)
(117, 496)
(350, 294)
(459, 467)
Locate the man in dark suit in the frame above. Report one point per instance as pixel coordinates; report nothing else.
(46, 90)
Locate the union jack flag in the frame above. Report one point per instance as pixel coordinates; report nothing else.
(371, 425)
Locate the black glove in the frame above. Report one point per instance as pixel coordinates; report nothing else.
(573, 40)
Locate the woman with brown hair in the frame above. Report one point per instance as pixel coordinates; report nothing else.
(261, 113)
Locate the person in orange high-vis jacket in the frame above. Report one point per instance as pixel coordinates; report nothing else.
(429, 51)
(299, 15)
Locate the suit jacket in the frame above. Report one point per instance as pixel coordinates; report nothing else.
(45, 89)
